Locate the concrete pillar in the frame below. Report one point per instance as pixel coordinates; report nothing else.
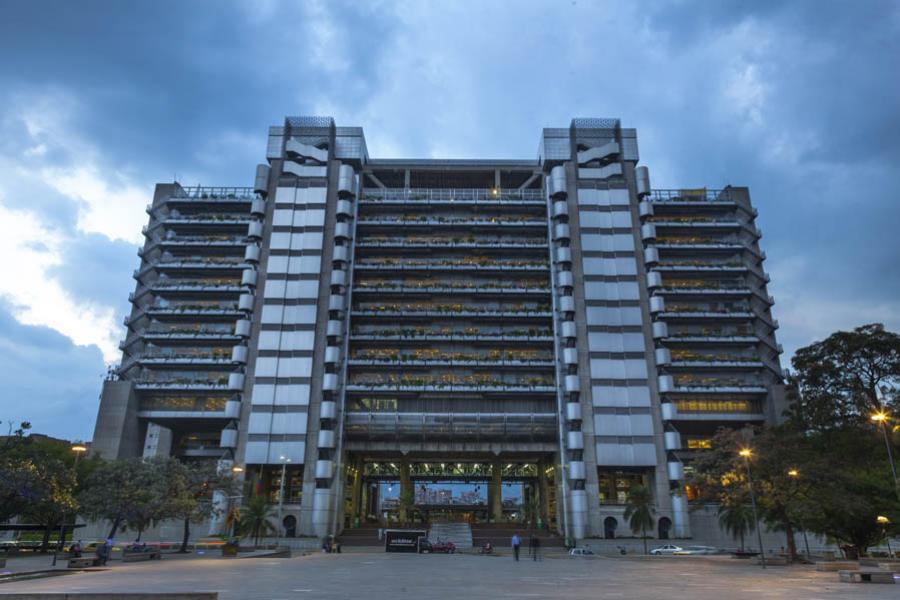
(543, 494)
(357, 506)
(405, 489)
(157, 441)
(497, 492)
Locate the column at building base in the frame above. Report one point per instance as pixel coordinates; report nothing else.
(578, 513)
(681, 521)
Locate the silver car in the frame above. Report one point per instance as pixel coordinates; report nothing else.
(667, 549)
(691, 550)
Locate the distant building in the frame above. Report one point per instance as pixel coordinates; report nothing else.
(552, 322)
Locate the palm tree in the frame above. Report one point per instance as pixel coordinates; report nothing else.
(639, 512)
(255, 515)
(737, 519)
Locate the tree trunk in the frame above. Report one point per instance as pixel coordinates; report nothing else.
(644, 537)
(140, 533)
(742, 540)
(115, 526)
(187, 534)
(45, 542)
(791, 543)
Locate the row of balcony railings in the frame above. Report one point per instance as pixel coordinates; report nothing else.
(494, 354)
(451, 308)
(452, 424)
(717, 406)
(161, 379)
(486, 195)
(448, 382)
(691, 195)
(460, 241)
(701, 382)
(452, 333)
(432, 285)
(224, 217)
(214, 193)
(474, 220)
(466, 263)
(191, 403)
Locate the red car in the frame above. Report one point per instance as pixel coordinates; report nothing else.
(439, 546)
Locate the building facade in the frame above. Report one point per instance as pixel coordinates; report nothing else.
(356, 333)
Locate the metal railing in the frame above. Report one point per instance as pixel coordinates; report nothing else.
(216, 193)
(538, 426)
(491, 195)
(690, 195)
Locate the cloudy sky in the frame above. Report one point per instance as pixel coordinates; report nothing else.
(100, 100)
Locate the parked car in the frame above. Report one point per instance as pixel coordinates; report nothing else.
(443, 547)
(582, 551)
(667, 549)
(696, 550)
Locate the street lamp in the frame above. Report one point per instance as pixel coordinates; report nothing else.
(746, 454)
(794, 474)
(78, 449)
(882, 417)
(884, 521)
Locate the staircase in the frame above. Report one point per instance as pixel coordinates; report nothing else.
(360, 536)
(458, 533)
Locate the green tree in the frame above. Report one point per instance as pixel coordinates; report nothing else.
(191, 499)
(128, 493)
(736, 518)
(843, 379)
(639, 512)
(256, 515)
(406, 502)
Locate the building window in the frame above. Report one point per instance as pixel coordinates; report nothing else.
(694, 443)
(615, 485)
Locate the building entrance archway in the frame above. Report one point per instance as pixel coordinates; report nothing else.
(609, 527)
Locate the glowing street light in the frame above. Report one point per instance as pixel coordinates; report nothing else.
(793, 473)
(882, 418)
(237, 469)
(746, 454)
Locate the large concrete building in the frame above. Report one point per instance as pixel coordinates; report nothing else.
(358, 333)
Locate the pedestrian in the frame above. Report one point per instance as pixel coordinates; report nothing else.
(515, 546)
(535, 547)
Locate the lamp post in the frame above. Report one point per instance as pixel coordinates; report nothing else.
(284, 462)
(882, 418)
(78, 449)
(883, 521)
(794, 474)
(745, 452)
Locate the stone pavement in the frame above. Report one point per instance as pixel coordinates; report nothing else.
(372, 576)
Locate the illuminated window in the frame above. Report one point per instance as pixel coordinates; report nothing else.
(699, 443)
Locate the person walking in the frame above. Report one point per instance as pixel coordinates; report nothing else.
(515, 546)
(535, 548)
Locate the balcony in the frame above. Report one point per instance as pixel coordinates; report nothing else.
(438, 222)
(175, 287)
(213, 195)
(699, 197)
(207, 222)
(193, 311)
(725, 410)
(452, 197)
(189, 336)
(710, 337)
(706, 315)
(469, 242)
(431, 335)
(473, 264)
(494, 288)
(451, 383)
(183, 384)
(472, 363)
(573, 411)
(195, 360)
(210, 242)
(451, 426)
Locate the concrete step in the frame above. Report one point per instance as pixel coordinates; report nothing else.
(458, 533)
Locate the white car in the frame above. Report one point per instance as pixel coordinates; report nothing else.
(697, 550)
(667, 549)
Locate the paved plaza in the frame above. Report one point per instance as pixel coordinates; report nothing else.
(376, 576)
